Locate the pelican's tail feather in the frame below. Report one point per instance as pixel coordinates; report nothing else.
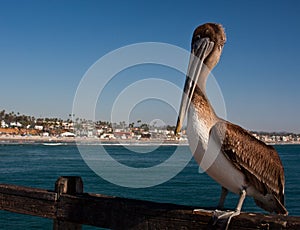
(272, 204)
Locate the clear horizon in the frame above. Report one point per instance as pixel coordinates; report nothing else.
(48, 46)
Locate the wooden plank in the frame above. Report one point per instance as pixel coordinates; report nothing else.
(24, 200)
(36, 193)
(122, 213)
(119, 213)
(72, 210)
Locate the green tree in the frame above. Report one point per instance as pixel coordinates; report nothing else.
(144, 127)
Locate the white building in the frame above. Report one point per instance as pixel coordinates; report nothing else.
(45, 134)
(67, 134)
(3, 124)
(38, 127)
(15, 124)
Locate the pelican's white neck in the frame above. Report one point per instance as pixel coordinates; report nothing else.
(201, 118)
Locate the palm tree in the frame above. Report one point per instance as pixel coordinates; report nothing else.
(2, 114)
(144, 127)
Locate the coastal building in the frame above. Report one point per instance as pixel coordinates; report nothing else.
(123, 135)
(39, 127)
(67, 134)
(8, 131)
(107, 136)
(15, 124)
(146, 135)
(3, 124)
(68, 125)
(45, 134)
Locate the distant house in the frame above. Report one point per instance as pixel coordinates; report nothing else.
(67, 125)
(67, 134)
(123, 135)
(15, 124)
(107, 136)
(45, 134)
(145, 135)
(3, 124)
(9, 131)
(90, 133)
(38, 127)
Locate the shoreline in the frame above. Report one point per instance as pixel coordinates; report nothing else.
(18, 139)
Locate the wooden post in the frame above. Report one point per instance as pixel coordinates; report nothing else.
(71, 185)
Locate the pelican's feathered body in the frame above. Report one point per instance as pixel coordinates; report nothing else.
(229, 154)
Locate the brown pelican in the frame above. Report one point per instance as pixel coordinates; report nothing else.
(233, 157)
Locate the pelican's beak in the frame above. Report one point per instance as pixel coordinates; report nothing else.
(201, 48)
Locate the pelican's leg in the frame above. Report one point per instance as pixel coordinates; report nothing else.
(221, 202)
(222, 198)
(229, 214)
(238, 207)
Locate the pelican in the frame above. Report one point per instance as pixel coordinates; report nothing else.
(234, 158)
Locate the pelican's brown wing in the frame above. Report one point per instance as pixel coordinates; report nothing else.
(259, 162)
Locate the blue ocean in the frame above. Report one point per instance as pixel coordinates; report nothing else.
(37, 165)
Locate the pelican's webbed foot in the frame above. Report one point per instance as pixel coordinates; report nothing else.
(221, 219)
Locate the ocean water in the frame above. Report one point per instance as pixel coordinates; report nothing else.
(36, 165)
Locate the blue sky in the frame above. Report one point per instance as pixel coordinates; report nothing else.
(47, 46)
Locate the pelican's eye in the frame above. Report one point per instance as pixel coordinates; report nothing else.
(196, 42)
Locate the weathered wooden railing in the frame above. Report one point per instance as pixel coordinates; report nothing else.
(69, 208)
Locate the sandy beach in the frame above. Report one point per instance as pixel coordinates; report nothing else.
(33, 139)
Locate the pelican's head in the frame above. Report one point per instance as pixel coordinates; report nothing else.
(206, 48)
(209, 34)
